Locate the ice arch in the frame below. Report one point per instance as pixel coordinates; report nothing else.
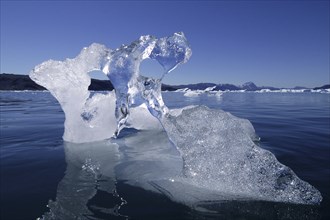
(133, 89)
(90, 117)
(218, 149)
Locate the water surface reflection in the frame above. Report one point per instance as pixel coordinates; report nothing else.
(131, 177)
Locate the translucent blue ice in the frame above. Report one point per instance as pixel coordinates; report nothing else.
(218, 150)
(133, 89)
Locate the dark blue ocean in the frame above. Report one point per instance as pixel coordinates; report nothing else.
(39, 170)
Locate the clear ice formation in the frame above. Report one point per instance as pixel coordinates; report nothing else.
(91, 117)
(133, 89)
(219, 154)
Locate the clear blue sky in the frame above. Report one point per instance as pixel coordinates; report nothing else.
(274, 43)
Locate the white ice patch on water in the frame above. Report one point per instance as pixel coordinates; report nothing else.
(192, 93)
(195, 93)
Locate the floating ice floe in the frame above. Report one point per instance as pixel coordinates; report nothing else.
(220, 157)
(195, 93)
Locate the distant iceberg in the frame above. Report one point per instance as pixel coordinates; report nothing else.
(194, 93)
(294, 91)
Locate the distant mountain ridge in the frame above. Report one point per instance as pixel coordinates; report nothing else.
(23, 82)
(323, 87)
(18, 82)
(249, 86)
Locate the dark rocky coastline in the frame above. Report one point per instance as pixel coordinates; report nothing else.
(23, 82)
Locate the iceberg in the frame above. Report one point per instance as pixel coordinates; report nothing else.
(192, 93)
(90, 117)
(221, 158)
(195, 93)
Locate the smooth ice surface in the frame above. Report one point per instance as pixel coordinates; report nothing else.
(221, 160)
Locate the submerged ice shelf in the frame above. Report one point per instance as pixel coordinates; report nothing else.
(217, 148)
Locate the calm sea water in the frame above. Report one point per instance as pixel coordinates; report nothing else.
(39, 170)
